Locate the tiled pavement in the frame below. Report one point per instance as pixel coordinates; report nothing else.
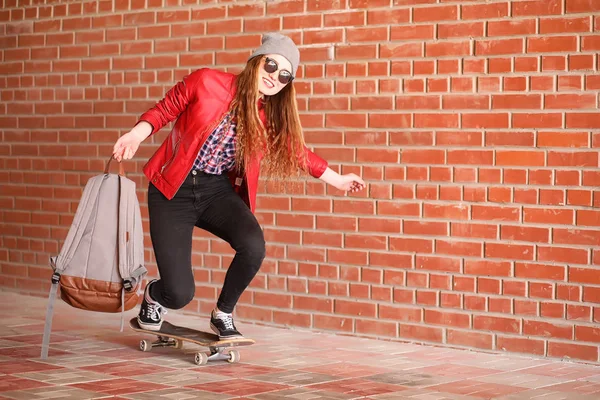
(91, 359)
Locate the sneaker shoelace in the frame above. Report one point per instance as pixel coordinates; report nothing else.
(227, 320)
(154, 311)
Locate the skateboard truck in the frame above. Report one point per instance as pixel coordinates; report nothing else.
(200, 358)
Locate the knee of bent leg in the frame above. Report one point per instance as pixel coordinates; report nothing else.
(180, 297)
(254, 247)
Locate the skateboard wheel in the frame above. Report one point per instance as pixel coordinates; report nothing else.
(201, 359)
(145, 345)
(178, 344)
(234, 356)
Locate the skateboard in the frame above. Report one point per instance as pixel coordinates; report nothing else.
(171, 335)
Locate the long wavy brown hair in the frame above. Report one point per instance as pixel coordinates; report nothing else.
(280, 142)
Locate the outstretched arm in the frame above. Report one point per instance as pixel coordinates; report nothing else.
(163, 112)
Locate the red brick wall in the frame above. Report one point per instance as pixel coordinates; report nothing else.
(475, 125)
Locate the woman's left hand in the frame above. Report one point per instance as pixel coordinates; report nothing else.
(350, 183)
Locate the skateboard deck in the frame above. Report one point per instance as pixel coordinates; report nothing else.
(171, 335)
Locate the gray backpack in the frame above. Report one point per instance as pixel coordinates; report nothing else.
(100, 266)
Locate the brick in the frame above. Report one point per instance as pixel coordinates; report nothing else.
(496, 324)
(410, 245)
(437, 13)
(425, 228)
(498, 47)
(467, 102)
(588, 218)
(485, 11)
(520, 158)
(548, 216)
(576, 236)
(390, 260)
(540, 271)
(355, 308)
(583, 275)
(399, 313)
(520, 345)
(493, 213)
(487, 267)
(563, 139)
(444, 49)
(473, 230)
(416, 32)
(352, 18)
(575, 351)
(581, 6)
(511, 27)
(512, 251)
(421, 332)
(330, 322)
(484, 120)
(445, 318)
(437, 263)
(537, 121)
(551, 44)
(563, 25)
(582, 120)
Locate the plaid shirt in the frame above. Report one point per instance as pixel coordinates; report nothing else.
(217, 154)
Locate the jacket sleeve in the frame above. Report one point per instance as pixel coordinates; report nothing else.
(173, 104)
(315, 165)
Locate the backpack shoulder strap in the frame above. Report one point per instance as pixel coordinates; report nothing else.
(129, 216)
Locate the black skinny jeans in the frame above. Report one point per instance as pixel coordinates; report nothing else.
(208, 202)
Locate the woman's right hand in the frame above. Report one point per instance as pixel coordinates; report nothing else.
(128, 144)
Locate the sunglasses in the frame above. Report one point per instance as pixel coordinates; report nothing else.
(271, 66)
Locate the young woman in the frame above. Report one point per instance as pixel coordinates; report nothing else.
(205, 174)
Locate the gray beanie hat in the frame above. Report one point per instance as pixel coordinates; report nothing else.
(276, 43)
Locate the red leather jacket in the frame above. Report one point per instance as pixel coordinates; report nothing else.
(199, 102)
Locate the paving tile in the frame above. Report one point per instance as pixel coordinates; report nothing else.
(4, 343)
(545, 394)
(290, 361)
(177, 393)
(181, 378)
(125, 353)
(410, 379)
(358, 387)
(563, 370)
(456, 370)
(76, 360)
(64, 376)
(296, 378)
(87, 345)
(238, 370)
(346, 370)
(126, 369)
(119, 386)
(304, 394)
(29, 352)
(16, 366)
(57, 392)
(581, 387)
(240, 387)
(37, 338)
(522, 379)
(474, 388)
(423, 394)
(10, 383)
